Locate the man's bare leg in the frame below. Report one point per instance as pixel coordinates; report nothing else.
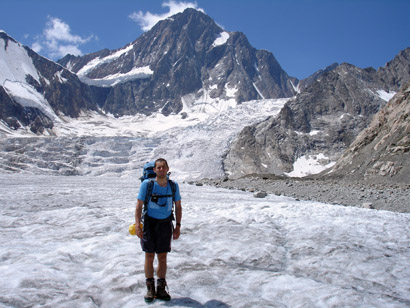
(149, 264)
(162, 265)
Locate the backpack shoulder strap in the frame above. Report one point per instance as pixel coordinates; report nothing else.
(150, 186)
(173, 188)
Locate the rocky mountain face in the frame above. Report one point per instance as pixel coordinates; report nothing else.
(34, 91)
(186, 59)
(320, 122)
(382, 150)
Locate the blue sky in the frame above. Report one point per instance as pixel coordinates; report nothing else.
(303, 35)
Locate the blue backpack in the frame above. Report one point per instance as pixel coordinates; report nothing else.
(148, 171)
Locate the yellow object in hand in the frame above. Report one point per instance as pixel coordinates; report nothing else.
(131, 229)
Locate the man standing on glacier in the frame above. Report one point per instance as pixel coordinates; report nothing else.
(154, 211)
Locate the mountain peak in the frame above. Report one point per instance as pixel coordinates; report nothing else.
(190, 23)
(191, 14)
(185, 61)
(187, 20)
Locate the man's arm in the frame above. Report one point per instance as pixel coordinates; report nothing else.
(138, 213)
(178, 217)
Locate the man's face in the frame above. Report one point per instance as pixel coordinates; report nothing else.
(161, 169)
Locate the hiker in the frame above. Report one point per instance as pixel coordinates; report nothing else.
(158, 228)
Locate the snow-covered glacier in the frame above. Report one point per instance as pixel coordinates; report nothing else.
(65, 242)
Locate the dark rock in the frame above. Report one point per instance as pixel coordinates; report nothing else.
(260, 194)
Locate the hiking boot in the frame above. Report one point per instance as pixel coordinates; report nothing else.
(149, 297)
(161, 290)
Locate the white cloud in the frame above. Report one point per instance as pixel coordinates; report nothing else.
(58, 30)
(148, 20)
(57, 40)
(36, 46)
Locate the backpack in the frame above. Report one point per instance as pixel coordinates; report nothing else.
(148, 171)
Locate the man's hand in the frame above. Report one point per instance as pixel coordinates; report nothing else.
(138, 232)
(177, 232)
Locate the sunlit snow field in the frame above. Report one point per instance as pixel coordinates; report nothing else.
(65, 243)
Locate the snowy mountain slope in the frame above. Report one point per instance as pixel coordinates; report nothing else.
(16, 67)
(64, 241)
(36, 91)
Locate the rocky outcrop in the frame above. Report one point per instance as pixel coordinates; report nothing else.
(381, 153)
(320, 122)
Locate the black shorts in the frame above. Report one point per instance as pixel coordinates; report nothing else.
(157, 235)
